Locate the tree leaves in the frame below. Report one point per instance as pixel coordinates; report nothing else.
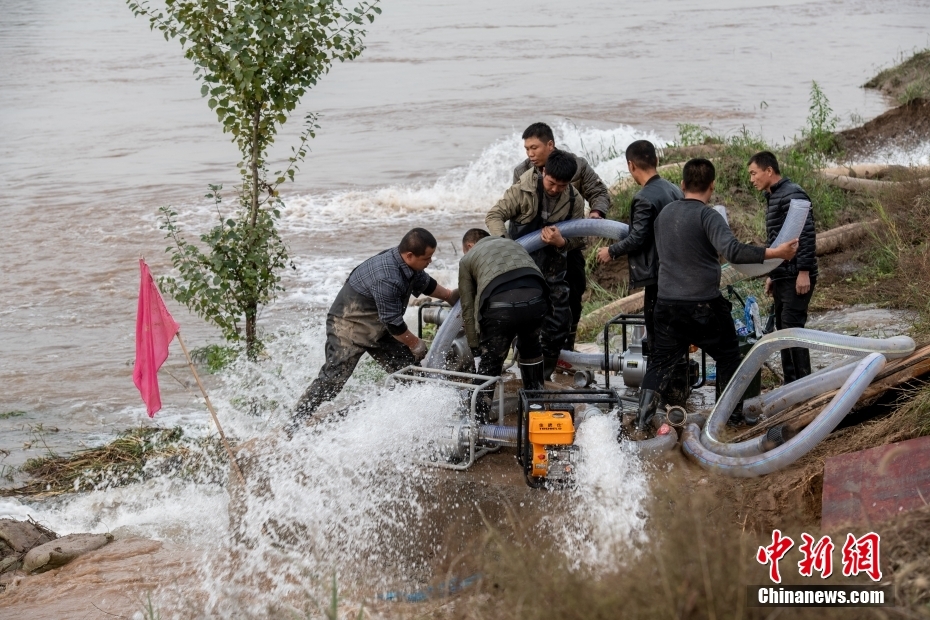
(255, 59)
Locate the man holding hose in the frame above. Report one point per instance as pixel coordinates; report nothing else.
(503, 297)
(792, 283)
(538, 201)
(539, 142)
(690, 309)
(368, 317)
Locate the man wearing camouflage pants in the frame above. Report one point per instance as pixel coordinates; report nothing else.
(368, 317)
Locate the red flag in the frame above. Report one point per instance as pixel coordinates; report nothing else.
(154, 331)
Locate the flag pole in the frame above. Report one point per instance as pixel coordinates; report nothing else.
(203, 390)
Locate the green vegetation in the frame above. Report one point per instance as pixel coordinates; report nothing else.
(214, 357)
(893, 266)
(907, 81)
(135, 455)
(255, 60)
(745, 205)
(6, 415)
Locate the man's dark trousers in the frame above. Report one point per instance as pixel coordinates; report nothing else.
(791, 311)
(499, 326)
(650, 295)
(577, 283)
(557, 322)
(706, 324)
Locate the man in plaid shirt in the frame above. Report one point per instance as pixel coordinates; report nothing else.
(368, 317)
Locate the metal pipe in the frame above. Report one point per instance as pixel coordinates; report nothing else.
(799, 445)
(591, 360)
(435, 315)
(497, 434)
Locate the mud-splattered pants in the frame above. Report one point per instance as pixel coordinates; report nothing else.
(352, 329)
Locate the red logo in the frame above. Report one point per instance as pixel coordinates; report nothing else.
(816, 557)
(860, 555)
(773, 553)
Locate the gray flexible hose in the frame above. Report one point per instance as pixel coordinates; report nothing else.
(789, 452)
(452, 324)
(791, 229)
(655, 445)
(796, 392)
(898, 346)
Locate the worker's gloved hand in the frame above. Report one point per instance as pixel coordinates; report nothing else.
(453, 297)
(419, 350)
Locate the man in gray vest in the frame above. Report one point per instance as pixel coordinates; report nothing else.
(640, 245)
(368, 317)
(539, 142)
(791, 283)
(503, 295)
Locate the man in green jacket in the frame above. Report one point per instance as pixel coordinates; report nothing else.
(539, 142)
(534, 204)
(503, 296)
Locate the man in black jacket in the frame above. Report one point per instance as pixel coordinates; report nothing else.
(539, 142)
(792, 283)
(640, 245)
(690, 309)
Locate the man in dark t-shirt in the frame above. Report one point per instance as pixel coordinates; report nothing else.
(690, 309)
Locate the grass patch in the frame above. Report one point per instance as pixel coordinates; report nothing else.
(907, 80)
(6, 415)
(135, 455)
(895, 269)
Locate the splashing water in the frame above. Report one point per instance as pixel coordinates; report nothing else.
(607, 508)
(464, 192)
(348, 496)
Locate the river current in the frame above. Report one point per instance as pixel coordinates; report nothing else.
(102, 123)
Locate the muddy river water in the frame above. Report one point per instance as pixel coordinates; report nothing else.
(102, 123)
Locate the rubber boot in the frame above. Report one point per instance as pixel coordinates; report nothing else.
(483, 406)
(570, 339)
(532, 373)
(549, 366)
(647, 408)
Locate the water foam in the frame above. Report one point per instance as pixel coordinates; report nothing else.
(348, 496)
(607, 509)
(464, 192)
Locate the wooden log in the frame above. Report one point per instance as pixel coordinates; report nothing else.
(854, 184)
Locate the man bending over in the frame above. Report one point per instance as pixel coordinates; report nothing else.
(368, 317)
(503, 297)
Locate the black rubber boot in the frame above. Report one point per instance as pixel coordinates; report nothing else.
(570, 339)
(531, 372)
(647, 408)
(549, 365)
(483, 406)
